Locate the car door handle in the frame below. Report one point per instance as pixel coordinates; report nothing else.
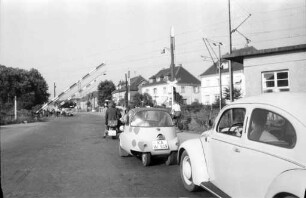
(237, 150)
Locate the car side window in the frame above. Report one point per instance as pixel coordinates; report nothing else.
(232, 122)
(271, 128)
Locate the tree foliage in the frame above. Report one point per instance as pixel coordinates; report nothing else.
(226, 96)
(105, 89)
(29, 87)
(142, 100)
(237, 93)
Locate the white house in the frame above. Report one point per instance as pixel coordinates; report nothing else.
(134, 87)
(186, 85)
(210, 88)
(273, 70)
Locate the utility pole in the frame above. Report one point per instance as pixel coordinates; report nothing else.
(172, 48)
(129, 86)
(126, 92)
(15, 107)
(54, 88)
(231, 88)
(220, 76)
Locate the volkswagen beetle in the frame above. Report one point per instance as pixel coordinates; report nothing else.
(256, 148)
(149, 132)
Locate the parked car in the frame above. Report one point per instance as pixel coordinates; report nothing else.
(256, 148)
(149, 132)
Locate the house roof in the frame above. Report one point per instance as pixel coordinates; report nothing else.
(239, 55)
(180, 74)
(236, 66)
(135, 82)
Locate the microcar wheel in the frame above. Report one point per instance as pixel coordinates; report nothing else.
(146, 159)
(186, 172)
(122, 152)
(171, 158)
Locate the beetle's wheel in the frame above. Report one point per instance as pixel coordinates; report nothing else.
(186, 172)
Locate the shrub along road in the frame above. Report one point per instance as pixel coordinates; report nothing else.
(67, 157)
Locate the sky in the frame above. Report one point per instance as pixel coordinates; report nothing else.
(66, 39)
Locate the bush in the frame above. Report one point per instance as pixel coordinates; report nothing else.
(195, 117)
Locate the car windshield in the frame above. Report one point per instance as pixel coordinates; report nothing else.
(152, 118)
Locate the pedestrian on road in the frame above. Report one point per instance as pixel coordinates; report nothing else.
(112, 114)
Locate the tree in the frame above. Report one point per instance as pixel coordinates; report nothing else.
(142, 100)
(237, 93)
(29, 87)
(226, 96)
(178, 98)
(105, 89)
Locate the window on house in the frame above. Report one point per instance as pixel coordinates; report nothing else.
(275, 81)
(166, 78)
(155, 91)
(182, 89)
(196, 89)
(151, 80)
(165, 90)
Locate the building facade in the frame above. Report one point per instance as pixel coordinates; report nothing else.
(160, 88)
(134, 87)
(210, 85)
(273, 70)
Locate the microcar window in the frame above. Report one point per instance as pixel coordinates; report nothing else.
(271, 128)
(152, 118)
(231, 122)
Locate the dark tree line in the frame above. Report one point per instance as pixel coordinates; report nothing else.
(29, 87)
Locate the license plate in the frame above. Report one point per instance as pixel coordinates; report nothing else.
(112, 132)
(160, 145)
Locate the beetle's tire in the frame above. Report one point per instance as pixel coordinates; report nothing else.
(122, 152)
(186, 173)
(146, 159)
(171, 160)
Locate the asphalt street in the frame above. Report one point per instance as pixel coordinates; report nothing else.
(67, 157)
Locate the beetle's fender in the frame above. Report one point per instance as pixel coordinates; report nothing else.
(194, 149)
(291, 181)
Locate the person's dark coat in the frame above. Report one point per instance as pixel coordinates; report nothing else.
(112, 113)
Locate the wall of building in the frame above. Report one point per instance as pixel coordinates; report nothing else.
(210, 85)
(116, 97)
(295, 63)
(163, 93)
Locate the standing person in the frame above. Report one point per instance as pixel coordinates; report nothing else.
(112, 114)
(176, 113)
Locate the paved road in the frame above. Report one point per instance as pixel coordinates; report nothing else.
(67, 157)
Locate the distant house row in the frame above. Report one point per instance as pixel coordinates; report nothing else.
(254, 72)
(158, 87)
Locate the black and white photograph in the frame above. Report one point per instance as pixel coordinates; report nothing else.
(152, 98)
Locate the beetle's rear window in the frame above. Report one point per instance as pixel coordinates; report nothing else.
(271, 128)
(152, 119)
